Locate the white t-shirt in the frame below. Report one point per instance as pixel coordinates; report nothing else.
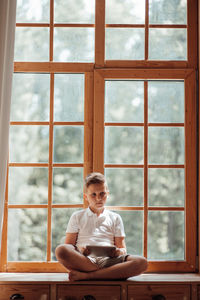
(95, 230)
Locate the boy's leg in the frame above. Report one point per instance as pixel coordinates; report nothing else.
(133, 266)
(70, 258)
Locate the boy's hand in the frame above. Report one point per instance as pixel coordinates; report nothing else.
(85, 251)
(117, 252)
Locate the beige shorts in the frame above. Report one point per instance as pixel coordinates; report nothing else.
(105, 262)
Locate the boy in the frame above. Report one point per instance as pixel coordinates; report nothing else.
(100, 227)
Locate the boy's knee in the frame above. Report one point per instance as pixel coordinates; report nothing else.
(143, 264)
(62, 252)
(59, 252)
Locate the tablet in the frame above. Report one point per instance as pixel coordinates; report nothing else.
(100, 250)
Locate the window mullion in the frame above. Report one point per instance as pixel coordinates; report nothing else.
(100, 33)
(192, 33)
(98, 152)
(51, 33)
(50, 177)
(145, 167)
(146, 30)
(88, 124)
(190, 170)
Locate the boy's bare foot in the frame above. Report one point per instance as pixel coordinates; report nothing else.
(76, 275)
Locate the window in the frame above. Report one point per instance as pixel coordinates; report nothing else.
(114, 93)
(145, 145)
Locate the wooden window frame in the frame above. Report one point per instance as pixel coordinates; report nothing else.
(95, 75)
(189, 77)
(191, 27)
(86, 165)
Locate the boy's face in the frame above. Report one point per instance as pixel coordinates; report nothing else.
(96, 196)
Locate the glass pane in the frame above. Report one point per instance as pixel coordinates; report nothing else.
(30, 97)
(68, 185)
(124, 101)
(167, 12)
(133, 225)
(124, 145)
(166, 187)
(167, 44)
(125, 12)
(166, 235)
(166, 145)
(29, 143)
(60, 219)
(69, 97)
(28, 185)
(31, 44)
(75, 11)
(171, 108)
(124, 43)
(32, 11)
(132, 192)
(68, 144)
(27, 234)
(74, 44)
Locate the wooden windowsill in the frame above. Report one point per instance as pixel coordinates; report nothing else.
(56, 278)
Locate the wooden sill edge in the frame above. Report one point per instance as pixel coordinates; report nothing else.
(60, 278)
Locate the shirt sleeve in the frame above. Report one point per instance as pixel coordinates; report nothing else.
(72, 226)
(119, 227)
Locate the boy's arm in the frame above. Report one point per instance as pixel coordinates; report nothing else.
(120, 245)
(71, 238)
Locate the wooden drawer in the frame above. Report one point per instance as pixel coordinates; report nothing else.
(27, 292)
(78, 292)
(198, 292)
(169, 292)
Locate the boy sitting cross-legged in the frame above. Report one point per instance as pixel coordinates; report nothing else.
(97, 226)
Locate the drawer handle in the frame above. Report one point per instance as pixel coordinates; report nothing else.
(88, 297)
(16, 296)
(158, 297)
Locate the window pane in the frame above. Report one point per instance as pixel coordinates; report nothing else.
(166, 101)
(27, 230)
(68, 185)
(166, 145)
(60, 219)
(167, 12)
(30, 97)
(124, 101)
(166, 235)
(167, 44)
(124, 43)
(75, 11)
(133, 225)
(28, 185)
(29, 143)
(32, 11)
(74, 44)
(69, 97)
(166, 187)
(132, 192)
(31, 44)
(68, 144)
(124, 145)
(125, 12)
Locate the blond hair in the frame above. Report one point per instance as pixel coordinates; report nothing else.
(94, 178)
